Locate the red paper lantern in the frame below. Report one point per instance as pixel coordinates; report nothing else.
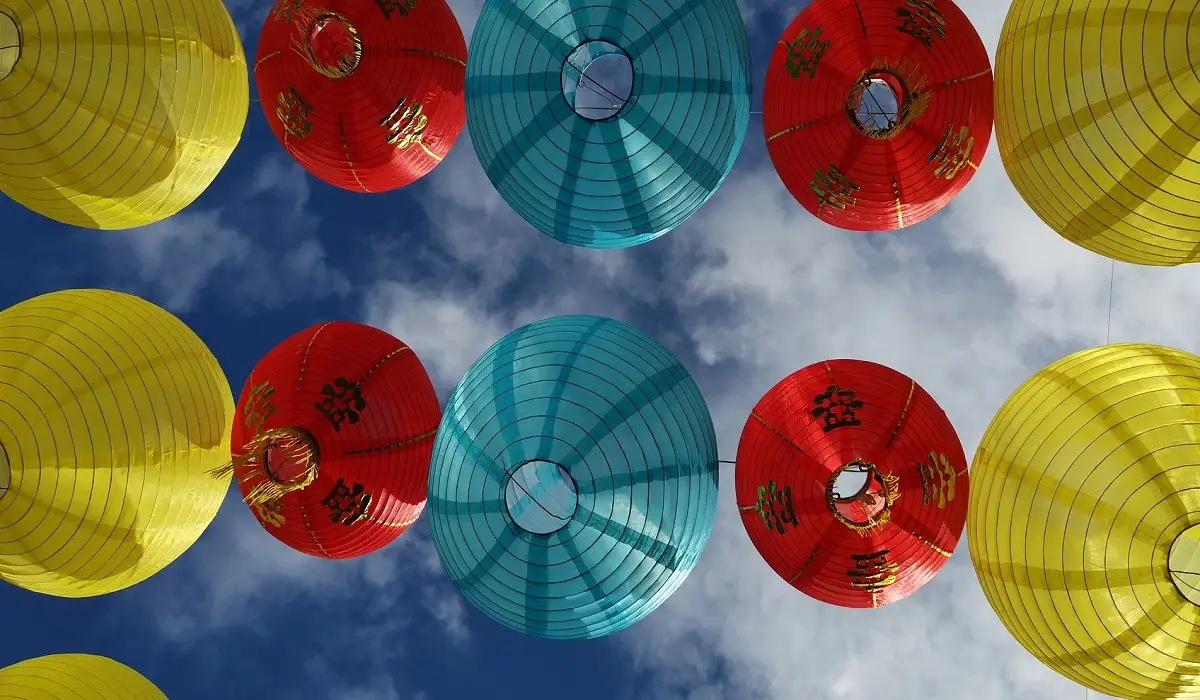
(366, 95)
(878, 112)
(332, 439)
(885, 534)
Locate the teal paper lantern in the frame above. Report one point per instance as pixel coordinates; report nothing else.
(573, 483)
(608, 158)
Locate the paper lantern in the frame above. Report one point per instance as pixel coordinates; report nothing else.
(367, 95)
(332, 438)
(1098, 124)
(574, 478)
(116, 115)
(1084, 520)
(877, 112)
(608, 156)
(851, 483)
(113, 410)
(73, 677)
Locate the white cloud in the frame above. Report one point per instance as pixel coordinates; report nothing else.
(258, 249)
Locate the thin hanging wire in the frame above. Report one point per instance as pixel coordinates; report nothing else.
(1112, 276)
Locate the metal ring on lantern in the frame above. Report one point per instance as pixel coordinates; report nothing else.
(629, 177)
(626, 500)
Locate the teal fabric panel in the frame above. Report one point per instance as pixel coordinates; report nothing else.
(624, 419)
(630, 178)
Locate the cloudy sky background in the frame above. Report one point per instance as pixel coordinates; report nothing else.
(969, 304)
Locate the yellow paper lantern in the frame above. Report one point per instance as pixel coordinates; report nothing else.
(75, 677)
(1084, 519)
(117, 114)
(1098, 122)
(111, 412)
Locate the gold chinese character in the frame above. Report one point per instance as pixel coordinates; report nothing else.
(259, 407)
(774, 507)
(805, 53)
(872, 572)
(922, 20)
(937, 480)
(833, 189)
(405, 125)
(293, 112)
(953, 153)
(270, 513)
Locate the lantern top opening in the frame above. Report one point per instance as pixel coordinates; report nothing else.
(334, 46)
(597, 80)
(1183, 564)
(541, 497)
(10, 44)
(857, 495)
(879, 103)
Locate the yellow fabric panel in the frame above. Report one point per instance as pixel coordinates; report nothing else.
(75, 677)
(118, 113)
(1098, 122)
(111, 411)
(1079, 487)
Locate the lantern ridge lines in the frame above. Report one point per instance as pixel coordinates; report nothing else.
(870, 170)
(823, 463)
(352, 455)
(338, 59)
(618, 416)
(638, 172)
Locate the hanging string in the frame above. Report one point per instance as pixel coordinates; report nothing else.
(1112, 275)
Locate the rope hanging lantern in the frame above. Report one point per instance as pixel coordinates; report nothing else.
(608, 162)
(878, 112)
(332, 438)
(1098, 122)
(117, 115)
(1084, 523)
(574, 478)
(113, 411)
(73, 677)
(852, 483)
(367, 95)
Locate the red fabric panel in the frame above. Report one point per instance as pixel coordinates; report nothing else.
(381, 442)
(885, 182)
(393, 117)
(886, 419)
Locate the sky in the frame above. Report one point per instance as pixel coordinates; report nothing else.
(969, 303)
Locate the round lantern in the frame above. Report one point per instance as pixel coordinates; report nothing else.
(877, 112)
(117, 114)
(606, 125)
(75, 676)
(332, 437)
(574, 479)
(851, 483)
(1098, 122)
(1084, 525)
(366, 95)
(112, 412)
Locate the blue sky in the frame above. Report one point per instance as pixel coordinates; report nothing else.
(969, 303)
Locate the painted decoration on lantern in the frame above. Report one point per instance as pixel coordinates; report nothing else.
(878, 112)
(367, 95)
(851, 483)
(332, 439)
